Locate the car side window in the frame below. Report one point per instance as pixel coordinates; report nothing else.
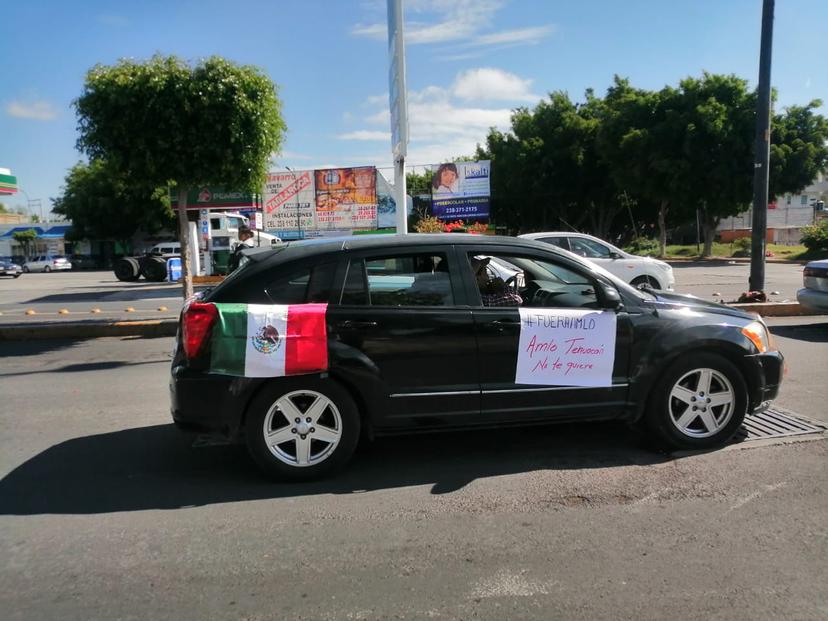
(399, 280)
(530, 282)
(588, 248)
(303, 286)
(560, 242)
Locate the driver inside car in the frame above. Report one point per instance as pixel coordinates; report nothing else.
(493, 291)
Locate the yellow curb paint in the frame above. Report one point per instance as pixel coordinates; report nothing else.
(63, 311)
(95, 310)
(149, 322)
(31, 312)
(129, 309)
(162, 308)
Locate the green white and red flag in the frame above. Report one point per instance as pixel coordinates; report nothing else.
(269, 340)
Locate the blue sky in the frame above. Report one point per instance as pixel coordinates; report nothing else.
(469, 63)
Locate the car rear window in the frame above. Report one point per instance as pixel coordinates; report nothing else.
(303, 286)
(408, 280)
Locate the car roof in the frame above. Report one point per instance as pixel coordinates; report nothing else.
(324, 245)
(555, 233)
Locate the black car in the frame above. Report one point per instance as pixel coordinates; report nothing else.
(430, 332)
(8, 268)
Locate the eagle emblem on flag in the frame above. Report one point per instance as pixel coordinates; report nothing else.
(266, 340)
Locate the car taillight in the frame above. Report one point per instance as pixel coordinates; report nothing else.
(815, 272)
(197, 322)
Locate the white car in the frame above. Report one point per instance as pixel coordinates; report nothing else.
(47, 263)
(814, 294)
(631, 268)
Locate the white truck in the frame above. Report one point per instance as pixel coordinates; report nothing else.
(152, 265)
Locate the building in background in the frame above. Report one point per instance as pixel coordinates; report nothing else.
(787, 215)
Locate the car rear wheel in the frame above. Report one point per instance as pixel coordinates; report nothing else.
(47, 269)
(302, 429)
(645, 281)
(700, 402)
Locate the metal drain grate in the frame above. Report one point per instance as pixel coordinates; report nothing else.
(775, 423)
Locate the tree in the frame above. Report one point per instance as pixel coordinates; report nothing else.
(102, 203)
(26, 239)
(418, 183)
(799, 148)
(165, 121)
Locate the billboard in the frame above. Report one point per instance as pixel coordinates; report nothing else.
(346, 198)
(289, 201)
(460, 191)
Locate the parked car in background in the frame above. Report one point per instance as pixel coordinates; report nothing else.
(399, 333)
(47, 263)
(7, 268)
(630, 268)
(814, 294)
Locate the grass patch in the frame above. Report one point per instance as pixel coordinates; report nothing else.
(780, 251)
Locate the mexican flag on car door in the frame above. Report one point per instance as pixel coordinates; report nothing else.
(269, 340)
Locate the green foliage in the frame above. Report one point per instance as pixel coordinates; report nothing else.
(742, 245)
(26, 239)
(103, 203)
(418, 183)
(652, 154)
(161, 121)
(815, 238)
(799, 148)
(643, 246)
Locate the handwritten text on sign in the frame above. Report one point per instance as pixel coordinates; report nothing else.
(566, 347)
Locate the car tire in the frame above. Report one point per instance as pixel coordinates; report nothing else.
(47, 269)
(154, 269)
(25, 269)
(127, 269)
(699, 402)
(18, 275)
(645, 280)
(275, 440)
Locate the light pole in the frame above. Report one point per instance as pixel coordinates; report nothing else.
(298, 220)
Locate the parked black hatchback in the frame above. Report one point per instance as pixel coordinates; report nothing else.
(428, 332)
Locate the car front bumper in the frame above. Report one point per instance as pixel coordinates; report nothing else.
(765, 374)
(811, 298)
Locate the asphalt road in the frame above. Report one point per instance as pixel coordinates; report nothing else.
(106, 512)
(80, 292)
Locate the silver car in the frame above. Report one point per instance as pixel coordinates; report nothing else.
(47, 263)
(814, 294)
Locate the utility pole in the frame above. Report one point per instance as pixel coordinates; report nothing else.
(398, 104)
(761, 169)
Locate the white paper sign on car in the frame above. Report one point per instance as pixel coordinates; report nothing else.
(566, 347)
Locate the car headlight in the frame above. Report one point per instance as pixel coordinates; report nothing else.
(759, 335)
(665, 266)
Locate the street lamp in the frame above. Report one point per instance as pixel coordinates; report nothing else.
(298, 220)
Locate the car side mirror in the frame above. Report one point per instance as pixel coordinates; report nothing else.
(612, 299)
(614, 255)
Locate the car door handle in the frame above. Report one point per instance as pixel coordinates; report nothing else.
(356, 325)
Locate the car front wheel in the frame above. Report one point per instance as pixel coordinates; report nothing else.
(644, 281)
(698, 403)
(302, 428)
(26, 268)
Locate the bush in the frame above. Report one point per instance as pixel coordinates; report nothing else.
(743, 245)
(643, 246)
(429, 224)
(815, 237)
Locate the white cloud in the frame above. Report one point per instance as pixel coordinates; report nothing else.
(37, 110)
(453, 21)
(365, 134)
(495, 84)
(528, 36)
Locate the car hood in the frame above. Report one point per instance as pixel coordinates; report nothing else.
(680, 300)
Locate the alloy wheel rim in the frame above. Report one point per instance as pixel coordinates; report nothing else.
(701, 403)
(302, 428)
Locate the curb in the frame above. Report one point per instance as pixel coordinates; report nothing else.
(777, 309)
(89, 330)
